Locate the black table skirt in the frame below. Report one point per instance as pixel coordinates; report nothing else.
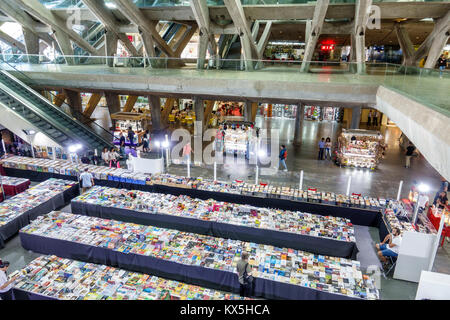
(383, 230)
(19, 294)
(58, 201)
(358, 216)
(317, 245)
(210, 278)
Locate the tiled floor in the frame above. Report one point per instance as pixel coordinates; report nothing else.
(326, 176)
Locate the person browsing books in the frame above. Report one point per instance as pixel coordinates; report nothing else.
(5, 284)
(244, 272)
(392, 247)
(86, 181)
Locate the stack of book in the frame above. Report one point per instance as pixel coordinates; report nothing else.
(12, 181)
(223, 212)
(329, 274)
(67, 279)
(15, 206)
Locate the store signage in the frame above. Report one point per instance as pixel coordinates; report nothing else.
(327, 47)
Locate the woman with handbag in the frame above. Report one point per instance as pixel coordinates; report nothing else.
(245, 276)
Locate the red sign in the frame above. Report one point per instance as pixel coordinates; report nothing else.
(327, 47)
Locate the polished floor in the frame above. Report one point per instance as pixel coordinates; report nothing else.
(325, 175)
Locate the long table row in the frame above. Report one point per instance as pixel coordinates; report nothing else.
(280, 273)
(302, 231)
(357, 216)
(18, 211)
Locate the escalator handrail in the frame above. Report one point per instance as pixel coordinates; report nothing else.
(62, 113)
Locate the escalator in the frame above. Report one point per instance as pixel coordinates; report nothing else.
(230, 51)
(52, 121)
(169, 33)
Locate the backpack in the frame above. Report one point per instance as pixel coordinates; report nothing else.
(285, 154)
(248, 280)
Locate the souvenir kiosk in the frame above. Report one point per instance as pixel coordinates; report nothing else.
(139, 122)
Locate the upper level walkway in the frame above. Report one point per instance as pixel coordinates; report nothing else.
(416, 99)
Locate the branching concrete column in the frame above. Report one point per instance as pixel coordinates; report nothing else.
(66, 47)
(155, 110)
(356, 118)
(298, 129)
(320, 12)
(202, 47)
(406, 45)
(362, 10)
(11, 41)
(247, 111)
(113, 103)
(74, 100)
(31, 44)
(111, 47)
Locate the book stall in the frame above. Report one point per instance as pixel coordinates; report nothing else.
(359, 148)
(236, 140)
(297, 230)
(55, 278)
(139, 122)
(12, 186)
(361, 210)
(280, 273)
(399, 214)
(20, 209)
(435, 215)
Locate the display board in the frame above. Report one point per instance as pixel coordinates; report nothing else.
(433, 286)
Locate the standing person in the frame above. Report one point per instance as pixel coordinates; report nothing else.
(369, 119)
(442, 64)
(321, 148)
(328, 148)
(85, 159)
(131, 136)
(219, 139)
(105, 156)
(86, 180)
(283, 157)
(442, 200)
(5, 284)
(122, 143)
(375, 118)
(244, 272)
(408, 154)
(146, 140)
(113, 157)
(95, 159)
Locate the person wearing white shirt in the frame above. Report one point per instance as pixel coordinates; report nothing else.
(86, 181)
(5, 284)
(391, 249)
(423, 202)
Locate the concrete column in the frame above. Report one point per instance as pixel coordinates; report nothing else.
(199, 108)
(73, 99)
(360, 51)
(437, 45)
(31, 44)
(111, 47)
(356, 118)
(314, 32)
(92, 104)
(113, 103)
(298, 129)
(65, 46)
(247, 52)
(155, 110)
(202, 47)
(248, 111)
(406, 45)
(362, 10)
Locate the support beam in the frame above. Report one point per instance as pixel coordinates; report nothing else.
(111, 41)
(155, 110)
(255, 30)
(65, 46)
(208, 111)
(168, 106)
(113, 104)
(199, 108)
(45, 15)
(202, 47)
(299, 120)
(442, 28)
(247, 111)
(74, 100)
(31, 44)
(131, 101)
(441, 33)
(183, 42)
(254, 111)
(356, 118)
(104, 14)
(134, 14)
(320, 12)
(237, 14)
(4, 37)
(406, 45)
(262, 43)
(92, 104)
(59, 99)
(362, 10)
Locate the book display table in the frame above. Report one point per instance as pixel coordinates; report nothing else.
(280, 273)
(20, 210)
(13, 186)
(302, 231)
(358, 216)
(55, 278)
